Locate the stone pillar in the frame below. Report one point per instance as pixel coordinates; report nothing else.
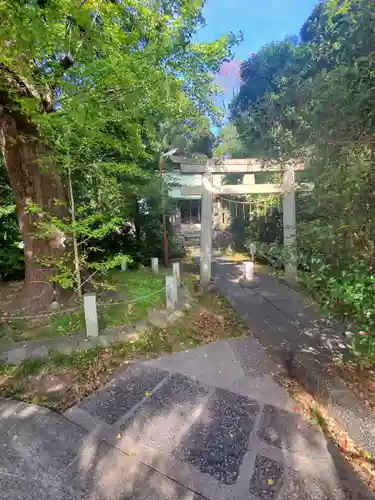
(206, 227)
(252, 250)
(170, 292)
(289, 221)
(124, 264)
(176, 273)
(91, 314)
(155, 265)
(248, 179)
(248, 271)
(219, 213)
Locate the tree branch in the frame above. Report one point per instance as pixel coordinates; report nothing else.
(28, 89)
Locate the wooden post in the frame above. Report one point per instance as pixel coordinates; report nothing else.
(155, 265)
(91, 315)
(289, 222)
(170, 292)
(206, 227)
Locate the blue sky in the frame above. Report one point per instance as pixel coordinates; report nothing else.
(260, 21)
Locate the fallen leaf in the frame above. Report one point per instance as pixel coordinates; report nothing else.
(148, 393)
(343, 444)
(271, 481)
(118, 436)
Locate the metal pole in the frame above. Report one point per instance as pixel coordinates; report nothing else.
(161, 165)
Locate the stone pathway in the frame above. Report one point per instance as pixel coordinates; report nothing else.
(213, 420)
(210, 423)
(282, 319)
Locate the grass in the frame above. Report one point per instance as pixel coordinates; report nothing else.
(143, 290)
(127, 288)
(234, 256)
(61, 380)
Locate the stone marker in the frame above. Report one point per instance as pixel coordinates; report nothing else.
(171, 292)
(176, 273)
(91, 315)
(155, 265)
(124, 264)
(248, 271)
(252, 250)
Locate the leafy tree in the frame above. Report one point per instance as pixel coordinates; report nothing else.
(85, 86)
(313, 99)
(229, 144)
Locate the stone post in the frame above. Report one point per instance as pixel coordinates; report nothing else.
(248, 271)
(219, 214)
(289, 221)
(155, 265)
(91, 315)
(170, 292)
(252, 250)
(176, 273)
(206, 227)
(124, 264)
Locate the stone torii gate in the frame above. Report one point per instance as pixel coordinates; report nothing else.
(248, 167)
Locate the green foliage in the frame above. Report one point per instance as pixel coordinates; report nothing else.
(347, 290)
(313, 100)
(136, 291)
(229, 143)
(108, 86)
(362, 346)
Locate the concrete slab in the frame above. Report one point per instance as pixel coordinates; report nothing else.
(166, 414)
(101, 472)
(217, 441)
(238, 365)
(288, 432)
(267, 479)
(252, 358)
(44, 456)
(38, 442)
(213, 364)
(122, 394)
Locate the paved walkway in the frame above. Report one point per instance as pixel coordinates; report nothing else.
(282, 319)
(209, 423)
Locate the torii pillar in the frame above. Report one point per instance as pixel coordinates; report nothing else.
(289, 222)
(206, 226)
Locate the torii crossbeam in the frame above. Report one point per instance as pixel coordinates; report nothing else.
(246, 166)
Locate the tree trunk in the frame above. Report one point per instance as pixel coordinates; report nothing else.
(24, 155)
